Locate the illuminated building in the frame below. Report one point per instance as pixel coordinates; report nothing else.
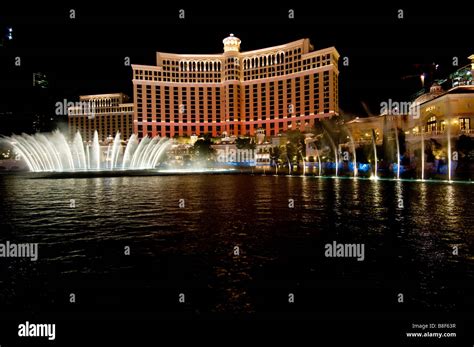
(106, 113)
(236, 93)
(443, 111)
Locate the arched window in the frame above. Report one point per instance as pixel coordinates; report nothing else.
(282, 57)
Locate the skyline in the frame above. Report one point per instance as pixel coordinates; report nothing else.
(81, 57)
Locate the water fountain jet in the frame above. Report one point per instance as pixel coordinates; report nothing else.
(398, 153)
(375, 153)
(51, 152)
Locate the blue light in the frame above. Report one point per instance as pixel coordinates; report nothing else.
(364, 167)
(394, 168)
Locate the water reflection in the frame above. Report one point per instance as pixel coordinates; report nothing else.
(399, 201)
(192, 247)
(422, 201)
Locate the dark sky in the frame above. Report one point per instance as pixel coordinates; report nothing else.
(85, 55)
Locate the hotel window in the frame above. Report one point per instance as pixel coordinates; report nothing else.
(464, 123)
(442, 125)
(431, 124)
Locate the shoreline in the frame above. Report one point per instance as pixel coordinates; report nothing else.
(207, 172)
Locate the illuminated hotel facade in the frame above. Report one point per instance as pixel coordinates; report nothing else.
(236, 93)
(106, 113)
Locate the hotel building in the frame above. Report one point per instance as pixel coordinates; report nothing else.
(433, 115)
(236, 93)
(106, 113)
(439, 114)
(443, 113)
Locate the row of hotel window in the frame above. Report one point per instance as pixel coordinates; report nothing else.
(196, 64)
(260, 88)
(207, 114)
(233, 71)
(109, 128)
(248, 63)
(166, 130)
(79, 111)
(104, 132)
(306, 80)
(231, 74)
(433, 125)
(102, 119)
(216, 117)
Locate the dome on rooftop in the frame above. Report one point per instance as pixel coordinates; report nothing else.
(231, 43)
(435, 90)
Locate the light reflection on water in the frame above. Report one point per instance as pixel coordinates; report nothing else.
(408, 228)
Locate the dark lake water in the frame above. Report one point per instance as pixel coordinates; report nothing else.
(409, 230)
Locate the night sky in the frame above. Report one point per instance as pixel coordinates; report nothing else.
(85, 55)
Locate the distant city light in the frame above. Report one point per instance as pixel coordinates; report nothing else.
(10, 30)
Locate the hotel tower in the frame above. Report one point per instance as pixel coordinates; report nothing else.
(268, 90)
